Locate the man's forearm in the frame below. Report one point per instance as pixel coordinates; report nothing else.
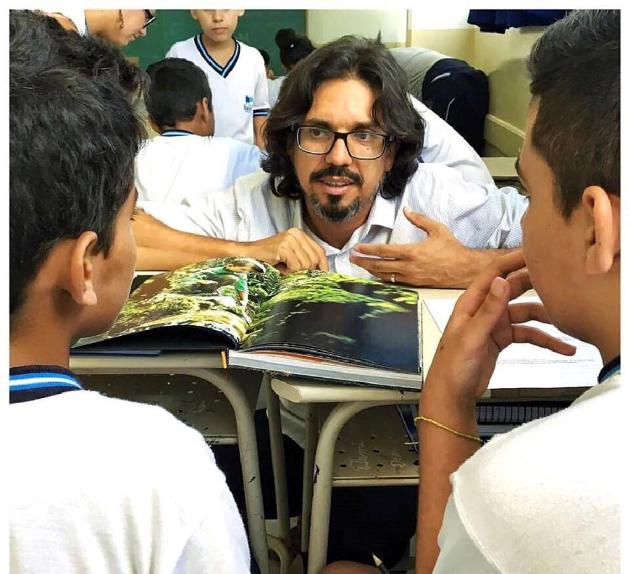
(161, 247)
(441, 454)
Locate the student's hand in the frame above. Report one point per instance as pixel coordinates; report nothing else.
(291, 250)
(438, 261)
(481, 326)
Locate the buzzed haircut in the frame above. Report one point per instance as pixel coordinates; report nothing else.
(175, 88)
(73, 140)
(575, 74)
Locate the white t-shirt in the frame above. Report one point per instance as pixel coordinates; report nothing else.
(102, 485)
(478, 216)
(544, 497)
(274, 89)
(178, 166)
(239, 89)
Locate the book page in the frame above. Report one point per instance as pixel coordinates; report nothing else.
(348, 319)
(526, 366)
(219, 295)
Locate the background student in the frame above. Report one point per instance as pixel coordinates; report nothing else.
(236, 74)
(120, 27)
(293, 48)
(185, 161)
(97, 484)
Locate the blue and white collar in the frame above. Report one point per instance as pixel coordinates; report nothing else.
(39, 381)
(172, 133)
(223, 71)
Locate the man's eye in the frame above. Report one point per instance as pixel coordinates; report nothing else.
(317, 133)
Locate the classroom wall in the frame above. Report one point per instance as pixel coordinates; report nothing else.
(256, 28)
(322, 26)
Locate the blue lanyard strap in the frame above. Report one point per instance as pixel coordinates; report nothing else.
(37, 382)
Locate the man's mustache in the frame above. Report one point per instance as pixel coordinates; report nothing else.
(336, 171)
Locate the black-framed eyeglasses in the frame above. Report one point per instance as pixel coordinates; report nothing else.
(149, 18)
(361, 144)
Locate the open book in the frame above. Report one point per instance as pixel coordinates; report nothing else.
(310, 323)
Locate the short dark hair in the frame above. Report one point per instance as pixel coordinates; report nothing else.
(175, 88)
(347, 57)
(265, 56)
(293, 47)
(73, 140)
(574, 69)
(93, 56)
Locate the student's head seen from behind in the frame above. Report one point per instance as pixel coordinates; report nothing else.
(73, 140)
(218, 25)
(569, 166)
(293, 47)
(178, 96)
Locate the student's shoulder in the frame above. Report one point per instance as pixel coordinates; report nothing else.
(181, 47)
(251, 53)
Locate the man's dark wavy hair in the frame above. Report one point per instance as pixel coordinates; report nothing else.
(393, 112)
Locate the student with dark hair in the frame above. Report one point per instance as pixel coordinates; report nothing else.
(97, 484)
(343, 143)
(544, 497)
(185, 161)
(92, 55)
(293, 48)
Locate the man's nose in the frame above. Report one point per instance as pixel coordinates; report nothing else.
(338, 155)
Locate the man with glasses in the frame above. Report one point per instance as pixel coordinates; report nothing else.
(342, 175)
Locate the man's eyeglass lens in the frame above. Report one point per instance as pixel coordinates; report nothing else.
(360, 144)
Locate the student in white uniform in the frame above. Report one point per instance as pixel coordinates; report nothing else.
(293, 48)
(236, 74)
(97, 484)
(120, 27)
(185, 161)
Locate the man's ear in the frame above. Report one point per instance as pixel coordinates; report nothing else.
(81, 285)
(603, 242)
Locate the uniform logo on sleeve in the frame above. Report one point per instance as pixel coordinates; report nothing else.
(249, 104)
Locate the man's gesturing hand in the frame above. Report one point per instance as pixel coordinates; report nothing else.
(290, 250)
(482, 325)
(438, 261)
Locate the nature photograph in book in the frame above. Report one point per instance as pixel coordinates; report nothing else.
(241, 303)
(340, 316)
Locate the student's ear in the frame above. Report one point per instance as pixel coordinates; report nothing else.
(240, 13)
(81, 285)
(193, 13)
(603, 223)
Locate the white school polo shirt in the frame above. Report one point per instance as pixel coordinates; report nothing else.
(179, 166)
(239, 89)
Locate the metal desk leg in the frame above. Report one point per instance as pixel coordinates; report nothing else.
(307, 478)
(248, 451)
(339, 416)
(278, 462)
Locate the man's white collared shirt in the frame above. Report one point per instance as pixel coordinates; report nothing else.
(479, 216)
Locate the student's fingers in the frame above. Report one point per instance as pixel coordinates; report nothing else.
(525, 334)
(519, 282)
(422, 221)
(523, 312)
(474, 296)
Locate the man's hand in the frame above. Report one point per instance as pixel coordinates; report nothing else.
(291, 250)
(481, 326)
(438, 261)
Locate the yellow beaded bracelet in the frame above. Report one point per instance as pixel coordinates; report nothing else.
(444, 427)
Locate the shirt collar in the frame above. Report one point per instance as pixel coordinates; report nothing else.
(382, 214)
(609, 369)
